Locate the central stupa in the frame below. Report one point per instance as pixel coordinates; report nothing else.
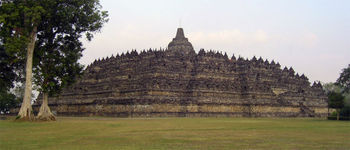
(180, 41)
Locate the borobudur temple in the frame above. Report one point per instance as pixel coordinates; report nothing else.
(177, 81)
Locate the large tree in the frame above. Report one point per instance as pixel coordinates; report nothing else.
(344, 79)
(19, 20)
(54, 27)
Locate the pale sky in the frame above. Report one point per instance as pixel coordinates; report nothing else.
(312, 36)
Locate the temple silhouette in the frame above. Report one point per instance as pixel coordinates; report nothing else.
(177, 81)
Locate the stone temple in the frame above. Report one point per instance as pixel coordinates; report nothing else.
(178, 81)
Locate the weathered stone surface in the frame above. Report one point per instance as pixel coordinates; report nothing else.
(180, 82)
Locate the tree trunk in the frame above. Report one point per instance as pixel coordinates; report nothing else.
(45, 112)
(26, 111)
(338, 113)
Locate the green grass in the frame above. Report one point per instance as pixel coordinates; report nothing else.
(176, 133)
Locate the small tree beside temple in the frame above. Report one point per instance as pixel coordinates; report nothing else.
(58, 47)
(336, 101)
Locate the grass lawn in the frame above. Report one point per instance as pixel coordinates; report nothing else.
(176, 133)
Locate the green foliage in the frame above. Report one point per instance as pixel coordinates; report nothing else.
(336, 100)
(332, 87)
(344, 79)
(7, 74)
(7, 78)
(60, 24)
(335, 90)
(59, 66)
(347, 99)
(17, 19)
(345, 112)
(334, 114)
(58, 47)
(7, 101)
